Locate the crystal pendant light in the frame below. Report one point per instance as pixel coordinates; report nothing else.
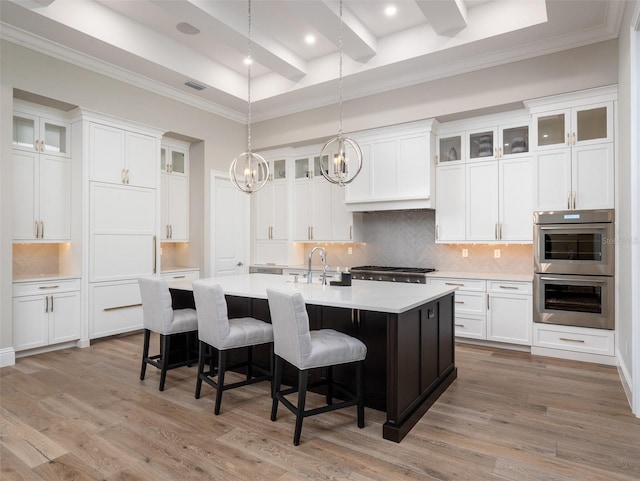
(249, 172)
(342, 171)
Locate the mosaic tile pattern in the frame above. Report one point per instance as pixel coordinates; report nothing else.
(35, 259)
(407, 239)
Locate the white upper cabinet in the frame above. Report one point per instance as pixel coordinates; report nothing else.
(122, 157)
(174, 192)
(39, 132)
(311, 215)
(574, 150)
(41, 178)
(397, 171)
(486, 194)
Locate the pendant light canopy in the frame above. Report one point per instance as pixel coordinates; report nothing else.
(347, 160)
(249, 172)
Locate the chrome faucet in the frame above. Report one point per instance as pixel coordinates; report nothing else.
(323, 258)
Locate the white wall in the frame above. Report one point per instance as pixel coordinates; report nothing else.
(586, 67)
(33, 72)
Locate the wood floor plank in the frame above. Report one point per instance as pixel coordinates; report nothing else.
(85, 414)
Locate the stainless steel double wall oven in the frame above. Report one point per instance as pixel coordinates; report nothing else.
(574, 262)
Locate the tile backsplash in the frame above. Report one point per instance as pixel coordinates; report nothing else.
(406, 239)
(36, 260)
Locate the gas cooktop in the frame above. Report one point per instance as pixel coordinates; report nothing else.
(416, 275)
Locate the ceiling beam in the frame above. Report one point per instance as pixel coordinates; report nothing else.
(444, 16)
(231, 29)
(358, 42)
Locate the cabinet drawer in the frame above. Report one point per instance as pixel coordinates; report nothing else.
(470, 302)
(461, 284)
(509, 287)
(45, 287)
(470, 326)
(115, 308)
(187, 274)
(579, 339)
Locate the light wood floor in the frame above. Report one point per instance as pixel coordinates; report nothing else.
(83, 414)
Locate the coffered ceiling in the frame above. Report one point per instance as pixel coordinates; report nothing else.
(162, 45)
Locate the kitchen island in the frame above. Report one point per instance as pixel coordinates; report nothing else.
(408, 330)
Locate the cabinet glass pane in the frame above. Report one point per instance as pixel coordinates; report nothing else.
(318, 165)
(450, 148)
(279, 169)
(592, 124)
(24, 132)
(177, 162)
(551, 129)
(302, 168)
(163, 159)
(481, 144)
(515, 140)
(55, 138)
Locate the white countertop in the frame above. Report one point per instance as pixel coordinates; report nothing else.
(43, 277)
(391, 297)
(491, 276)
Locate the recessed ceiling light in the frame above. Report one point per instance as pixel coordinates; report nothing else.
(187, 28)
(248, 61)
(310, 39)
(390, 10)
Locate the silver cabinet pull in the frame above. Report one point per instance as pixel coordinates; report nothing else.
(350, 232)
(572, 340)
(453, 284)
(51, 307)
(495, 231)
(459, 325)
(500, 231)
(46, 304)
(568, 198)
(509, 287)
(41, 230)
(154, 254)
(459, 302)
(487, 302)
(179, 277)
(574, 199)
(36, 229)
(48, 287)
(115, 308)
(124, 180)
(127, 176)
(568, 140)
(170, 231)
(574, 138)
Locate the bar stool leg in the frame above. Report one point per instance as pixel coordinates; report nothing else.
(360, 392)
(202, 354)
(165, 359)
(302, 397)
(277, 379)
(145, 353)
(329, 385)
(222, 365)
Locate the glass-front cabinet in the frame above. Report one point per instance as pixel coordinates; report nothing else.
(574, 126)
(482, 144)
(173, 161)
(309, 167)
(514, 140)
(40, 134)
(450, 148)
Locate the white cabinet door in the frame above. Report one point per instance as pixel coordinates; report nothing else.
(509, 318)
(384, 164)
(482, 201)
(55, 197)
(25, 195)
(164, 207)
(142, 158)
(413, 175)
(360, 189)
(341, 218)
(516, 199)
(321, 194)
(64, 317)
(30, 322)
(553, 179)
(450, 203)
(301, 215)
(263, 208)
(178, 207)
(115, 307)
(107, 154)
(593, 177)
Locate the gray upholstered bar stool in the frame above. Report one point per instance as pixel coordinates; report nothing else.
(215, 329)
(160, 317)
(305, 349)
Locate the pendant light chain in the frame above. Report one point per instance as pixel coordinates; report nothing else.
(340, 71)
(249, 62)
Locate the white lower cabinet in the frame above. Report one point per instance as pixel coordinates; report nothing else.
(115, 307)
(509, 312)
(499, 311)
(45, 313)
(574, 339)
(173, 275)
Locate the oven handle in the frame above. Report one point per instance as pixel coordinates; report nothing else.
(576, 278)
(603, 225)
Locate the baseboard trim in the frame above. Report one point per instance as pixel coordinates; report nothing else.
(574, 356)
(7, 357)
(625, 379)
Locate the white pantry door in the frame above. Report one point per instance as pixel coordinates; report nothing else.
(230, 226)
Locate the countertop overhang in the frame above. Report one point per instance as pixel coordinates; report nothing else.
(389, 297)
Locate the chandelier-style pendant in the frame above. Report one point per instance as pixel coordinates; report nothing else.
(249, 172)
(341, 170)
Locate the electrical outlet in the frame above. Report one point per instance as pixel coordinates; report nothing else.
(465, 252)
(496, 253)
(349, 250)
